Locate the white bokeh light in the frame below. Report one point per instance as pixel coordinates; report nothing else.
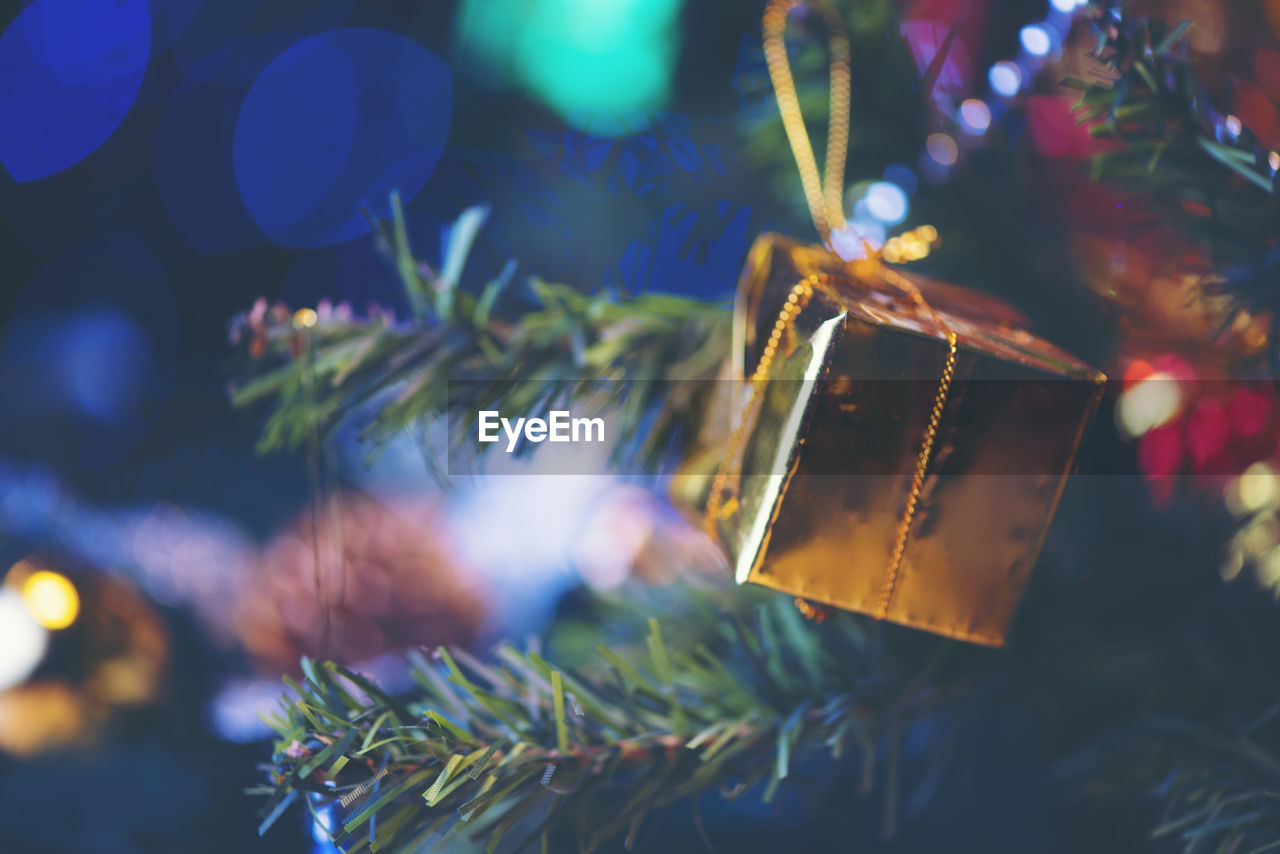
(1148, 404)
(22, 640)
(1035, 40)
(886, 202)
(1005, 78)
(942, 149)
(975, 115)
(855, 237)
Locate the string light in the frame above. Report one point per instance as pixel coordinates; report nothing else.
(1256, 489)
(22, 640)
(1231, 564)
(1005, 78)
(1153, 401)
(911, 245)
(886, 202)
(304, 318)
(942, 149)
(1035, 40)
(1269, 569)
(51, 598)
(975, 115)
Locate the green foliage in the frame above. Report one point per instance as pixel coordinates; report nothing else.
(518, 749)
(1216, 791)
(1213, 183)
(1222, 795)
(465, 350)
(1174, 147)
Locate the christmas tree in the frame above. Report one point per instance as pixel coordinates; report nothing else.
(1145, 667)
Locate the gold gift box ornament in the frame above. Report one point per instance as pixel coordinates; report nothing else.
(903, 443)
(813, 497)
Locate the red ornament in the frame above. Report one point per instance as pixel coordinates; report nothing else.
(1161, 450)
(1055, 131)
(1248, 412)
(1207, 434)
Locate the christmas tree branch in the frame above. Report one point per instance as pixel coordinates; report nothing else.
(1204, 172)
(1224, 791)
(1210, 178)
(465, 350)
(1213, 791)
(516, 748)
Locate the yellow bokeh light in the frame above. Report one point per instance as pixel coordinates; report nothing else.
(910, 246)
(1231, 564)
(1258, 485)
(1259, 538)
(51, 599)
(1269, 570)
(305, 318)
(1257, 489)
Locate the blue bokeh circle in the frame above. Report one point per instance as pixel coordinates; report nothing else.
(336, 121)
(194, 139)
(86, 337)
(71, 71)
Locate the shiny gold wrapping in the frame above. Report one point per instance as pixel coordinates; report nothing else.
(827, 464)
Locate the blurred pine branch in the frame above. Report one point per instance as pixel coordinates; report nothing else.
(486, 348)
(1201, 171)
(516, 748)
(1205, 174)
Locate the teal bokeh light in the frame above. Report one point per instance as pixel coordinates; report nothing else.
(586, 59)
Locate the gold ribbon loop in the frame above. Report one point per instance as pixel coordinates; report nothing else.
(825, 195)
